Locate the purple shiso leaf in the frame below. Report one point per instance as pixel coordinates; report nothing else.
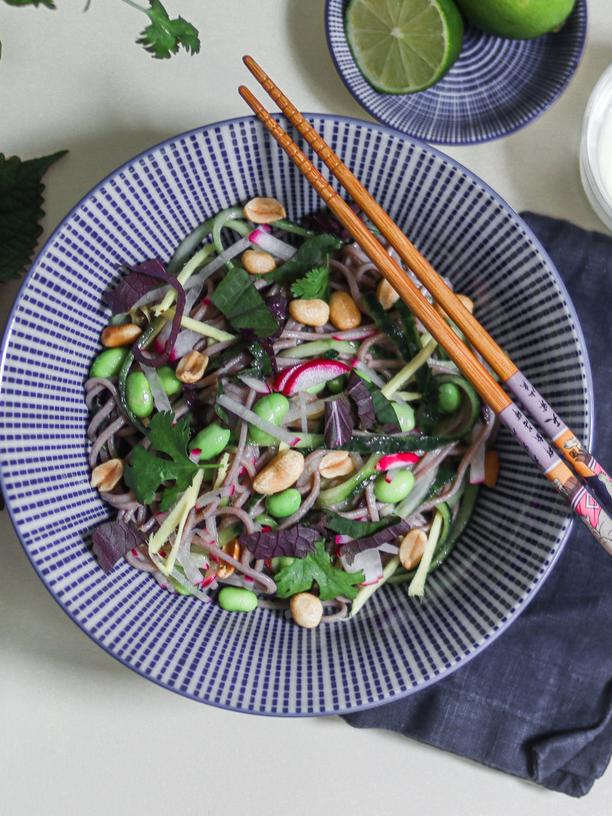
(325, 221)
(338, 422)
(296, 542)
(112, 540)
(351, 548)
(277, 304)
(359, 393)
(127, 292)
(155, 269)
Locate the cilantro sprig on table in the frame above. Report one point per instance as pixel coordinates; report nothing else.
(147, 471)
(161, 38)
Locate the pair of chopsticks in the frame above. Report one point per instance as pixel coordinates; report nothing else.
(585, 503)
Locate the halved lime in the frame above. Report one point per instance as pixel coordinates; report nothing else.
(403, 46)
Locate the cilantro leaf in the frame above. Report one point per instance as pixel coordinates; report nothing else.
(47, 3)
(314, 284)
(314, 252)
(164, 36)
(240, 302)
(146, 471)
(317, 567)
(21, 199)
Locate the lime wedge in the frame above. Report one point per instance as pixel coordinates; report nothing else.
(403, 46)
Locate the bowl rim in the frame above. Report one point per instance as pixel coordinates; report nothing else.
(460, 142)
(590, 417)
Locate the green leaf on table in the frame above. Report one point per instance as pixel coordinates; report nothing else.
(242, 305)
(314, 252)
(317, 567)
(21, 200)
(47, 3)
(164, 36)
(314, 285)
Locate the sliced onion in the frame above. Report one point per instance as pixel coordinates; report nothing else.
(218, 262)
(185, 342)
(251, 417)
(259, 386)
(369, 561)
(392, 549)
(160, 398)
(271, 244)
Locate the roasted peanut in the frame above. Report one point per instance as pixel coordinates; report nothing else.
(386, 294)
(412, 548)
(232, 548)
(309, 312)
(467, 302)
(282, 472)
(106, 475)
(257, 262)
(306, 610)
(121, 335)
(336, 463)
(343, 311)
(264, 210)
(191, 367)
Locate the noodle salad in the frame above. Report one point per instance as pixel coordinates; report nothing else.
(273, 427)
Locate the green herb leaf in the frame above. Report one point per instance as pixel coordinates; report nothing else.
(146, 471)
(164, 36)
(240, 302)
(393, 443)
(21, 200)
(314, 285)
(317, 567)
(314, 252)
(47, 3)
(357, 529)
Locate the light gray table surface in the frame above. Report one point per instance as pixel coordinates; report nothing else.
(79, 733)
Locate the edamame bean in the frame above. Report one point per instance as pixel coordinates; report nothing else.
(108, 362)
(272, 408)
(170, 382)
(337, 385)
(235, 599)
(210, 440)
(265, 520)
(285, 503)
(138, 394)
(280, 562)
(405, 416)
(393, 486)
(449, 397)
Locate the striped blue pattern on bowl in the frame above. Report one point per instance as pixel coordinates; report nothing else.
(496, 86)
(262, 662)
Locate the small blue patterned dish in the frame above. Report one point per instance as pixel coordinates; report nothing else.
(261, 662)
(496, 86)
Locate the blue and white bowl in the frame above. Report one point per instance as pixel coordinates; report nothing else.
(263, 663)
(496, 86)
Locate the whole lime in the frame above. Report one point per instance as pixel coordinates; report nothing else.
(517, 19)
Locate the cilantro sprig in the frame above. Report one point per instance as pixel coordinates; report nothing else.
(314, 284)
(317, 567)
(162, 37)
(147, 471)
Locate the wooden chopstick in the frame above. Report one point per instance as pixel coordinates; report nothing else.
(542, 453)
(564, 439)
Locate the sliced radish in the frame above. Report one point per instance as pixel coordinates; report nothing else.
(281, 380)
(312, 373)
(271, 244)
(397, 460)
